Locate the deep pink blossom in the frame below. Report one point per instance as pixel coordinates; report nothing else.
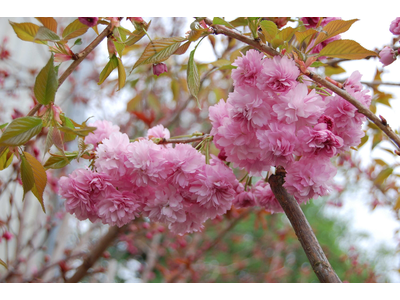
(278, 74)
(248, 68)
(7, 235)
(244, 198)
(160, 68)
(103, 130)
(319, 140)
(88, 21)
(310, 22)
(395, 26)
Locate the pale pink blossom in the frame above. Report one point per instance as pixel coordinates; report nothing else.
(309, 178)
(103, 130)
(158, 132)
(354, 82)
(119, 207)
(265, 197)
(248, 68)
(82, 190)
(278, 74)
(300, 106)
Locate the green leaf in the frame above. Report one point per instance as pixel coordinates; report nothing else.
(219, 21)
(26, 31)
(269, 29)
(84, 131)
(45, 34)
(6, 159)
(383, 175)
(136, 35)
(50, 23)
(397, 205)
(46, 83)
(58, 161)
(364, 139)
(159, 50)
(3, 125)
(331, 70)
(110, 66)
(346, 49)
(21, 130)
(3, 264)
(317, 64)
(193, 77)
(119, 47)
(241, 21)
(74, 29)
(332, 29)
(28, 180)
(121, 75)
(39, 176)
(68, 137)
(78, 42)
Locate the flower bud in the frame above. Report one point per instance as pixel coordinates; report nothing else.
(159, 69)
(7, 235)
(395, 26)
(89, 21)
(387, 56)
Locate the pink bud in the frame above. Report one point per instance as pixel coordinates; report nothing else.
(89, 21)
(56, 113)
(159, 69)
(7, 235)
(395, 26)
(111, 47)
(387, 56)
(136, 19)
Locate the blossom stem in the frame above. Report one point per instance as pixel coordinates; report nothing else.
(302, 228)
(184, 140)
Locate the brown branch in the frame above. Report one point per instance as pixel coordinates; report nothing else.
(82, 55)
(95, 254)
(220, 29)
(302, 228)
(361, 108)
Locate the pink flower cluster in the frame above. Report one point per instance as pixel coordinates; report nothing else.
(173, 185)
(273, 119)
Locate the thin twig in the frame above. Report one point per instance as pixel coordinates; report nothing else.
(95, 254)
(184, 140)
(220, 29)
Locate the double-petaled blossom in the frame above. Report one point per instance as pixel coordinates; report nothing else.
(103, 130)
(395, 26)
(248, 68)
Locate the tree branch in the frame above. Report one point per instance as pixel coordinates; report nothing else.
(302, 228)
(184, 140)
(95, 254)
(220, 29)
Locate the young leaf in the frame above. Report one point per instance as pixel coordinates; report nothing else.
(333, 28)
(21, 130)
(397, 205)
(26, 31)
(286, 33)
(6, 159)
(346, 49)
(28, 180)
(121, 74)
(182, 49)
(383, 175)
(159, 50)
(59, 161)
(241, 21)
(3, 264)
(40, 178)
(110, 66)
(50, 23)
(46, 83)
(304, 36)
(136, 35)
(67, 136)
(45, 34)
(219, 21)
(193, 77)
(74, 29)
(119, 47)
(269, 29)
